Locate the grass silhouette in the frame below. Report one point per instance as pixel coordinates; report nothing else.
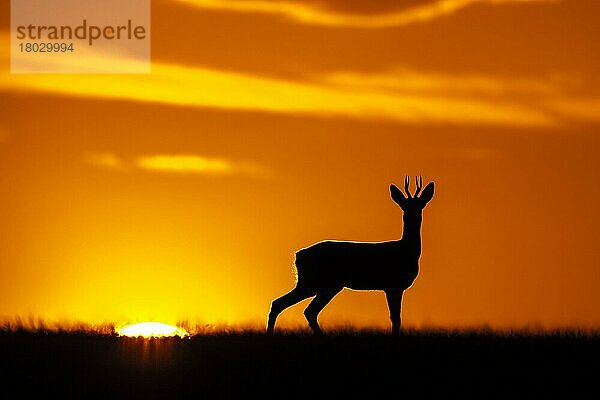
(347, 363)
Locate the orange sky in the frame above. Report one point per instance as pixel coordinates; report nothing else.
(266, 126)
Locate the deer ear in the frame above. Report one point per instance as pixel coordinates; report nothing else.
(427, 194)
(397, 195)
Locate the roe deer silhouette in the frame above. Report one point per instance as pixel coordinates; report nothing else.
(327, 267)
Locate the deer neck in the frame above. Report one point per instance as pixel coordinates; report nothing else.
(411, 234)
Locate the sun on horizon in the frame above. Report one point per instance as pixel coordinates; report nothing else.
(151, 330)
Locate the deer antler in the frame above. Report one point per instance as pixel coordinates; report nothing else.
(406, 184)
(419, 185)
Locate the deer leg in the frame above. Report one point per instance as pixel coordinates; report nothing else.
(394, 300)
(316, 305)
(296, 295)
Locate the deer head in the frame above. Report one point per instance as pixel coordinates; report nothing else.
(412, 205)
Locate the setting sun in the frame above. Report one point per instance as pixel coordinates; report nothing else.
(151, 329)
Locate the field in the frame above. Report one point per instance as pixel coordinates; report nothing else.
(295, 364)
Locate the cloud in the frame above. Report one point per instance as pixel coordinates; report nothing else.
(315, 15)
(405, 80)
(581, 109)
(186, 164)
(196, 164)
(105, 161)
(401, 94)
(362, 97)
(179, 164)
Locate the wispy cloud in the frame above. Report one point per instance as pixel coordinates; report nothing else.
(558, 97)
(581, 109)
(192, 164)
(402, 94)
(105, 160)
(315, 15)
(356, 97)
(406, 80)
(186, 164)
